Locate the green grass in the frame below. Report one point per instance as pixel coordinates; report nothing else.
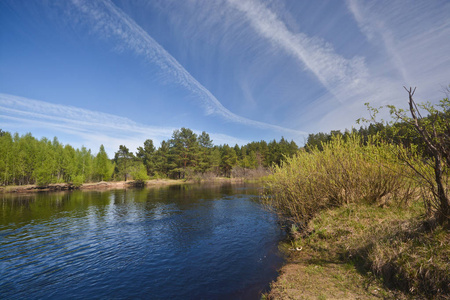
(390, 244)
(355, 207)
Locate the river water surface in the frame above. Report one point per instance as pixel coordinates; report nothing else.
(177, 242)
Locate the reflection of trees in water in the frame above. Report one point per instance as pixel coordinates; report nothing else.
(195, 231)
(45, 205)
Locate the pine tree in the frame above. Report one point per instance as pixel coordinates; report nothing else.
(205, 157)
(184, 150)
(147, 156)
(228, 160)
(123, 159)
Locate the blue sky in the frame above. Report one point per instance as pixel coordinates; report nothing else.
(119, 72)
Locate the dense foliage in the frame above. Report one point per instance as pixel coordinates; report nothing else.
(428, 135)
(398, 133)
(343, 171)
(423, 145)
(27, 160)
(337, 189)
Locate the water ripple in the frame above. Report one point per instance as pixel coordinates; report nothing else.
(169, 243)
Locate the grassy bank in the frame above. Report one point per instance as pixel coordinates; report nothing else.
(366, 252)
(356, 216)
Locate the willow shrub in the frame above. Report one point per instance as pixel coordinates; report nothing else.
(345, 171)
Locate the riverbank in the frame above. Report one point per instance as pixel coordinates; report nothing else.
(103, 185)
(106, 185)
(366, 252)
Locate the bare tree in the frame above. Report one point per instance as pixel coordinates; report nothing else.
(434, 130)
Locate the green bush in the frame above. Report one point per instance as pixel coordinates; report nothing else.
(78, 180)
(139, 173)
(43, 177)
(346, 171)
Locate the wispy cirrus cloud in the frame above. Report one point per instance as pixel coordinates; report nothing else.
(347, 80)
(319, 57)
(377, 31)
(107, 20)
(351, 81)
(92, 128)
(413, 34)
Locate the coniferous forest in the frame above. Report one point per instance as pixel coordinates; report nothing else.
(28, 160)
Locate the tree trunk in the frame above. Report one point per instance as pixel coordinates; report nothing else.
(432, 143)
(444, 205)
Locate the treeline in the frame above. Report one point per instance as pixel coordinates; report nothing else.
(399, 132)
(396, 134)
(27, 160)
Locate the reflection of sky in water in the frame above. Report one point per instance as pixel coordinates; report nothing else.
(168, 243)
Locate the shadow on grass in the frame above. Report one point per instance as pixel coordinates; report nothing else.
(410, 256)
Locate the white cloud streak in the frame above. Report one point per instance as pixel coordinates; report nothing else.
(347, 81)
(376, 30)
(72, 116)
(93, 128)
(350, 81)
(331, 69)
(413, 34)
(108, 20)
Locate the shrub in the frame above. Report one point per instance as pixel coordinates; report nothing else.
(78, 180)
(43, 177)
(346, 171)
(431, 134)
(239, 172)
(139, 173)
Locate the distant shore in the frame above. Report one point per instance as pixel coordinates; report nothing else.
(107, 185)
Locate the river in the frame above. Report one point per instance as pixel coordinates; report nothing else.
(176, 242)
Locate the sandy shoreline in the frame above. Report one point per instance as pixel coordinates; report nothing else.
(102, 185)
(106, 185)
